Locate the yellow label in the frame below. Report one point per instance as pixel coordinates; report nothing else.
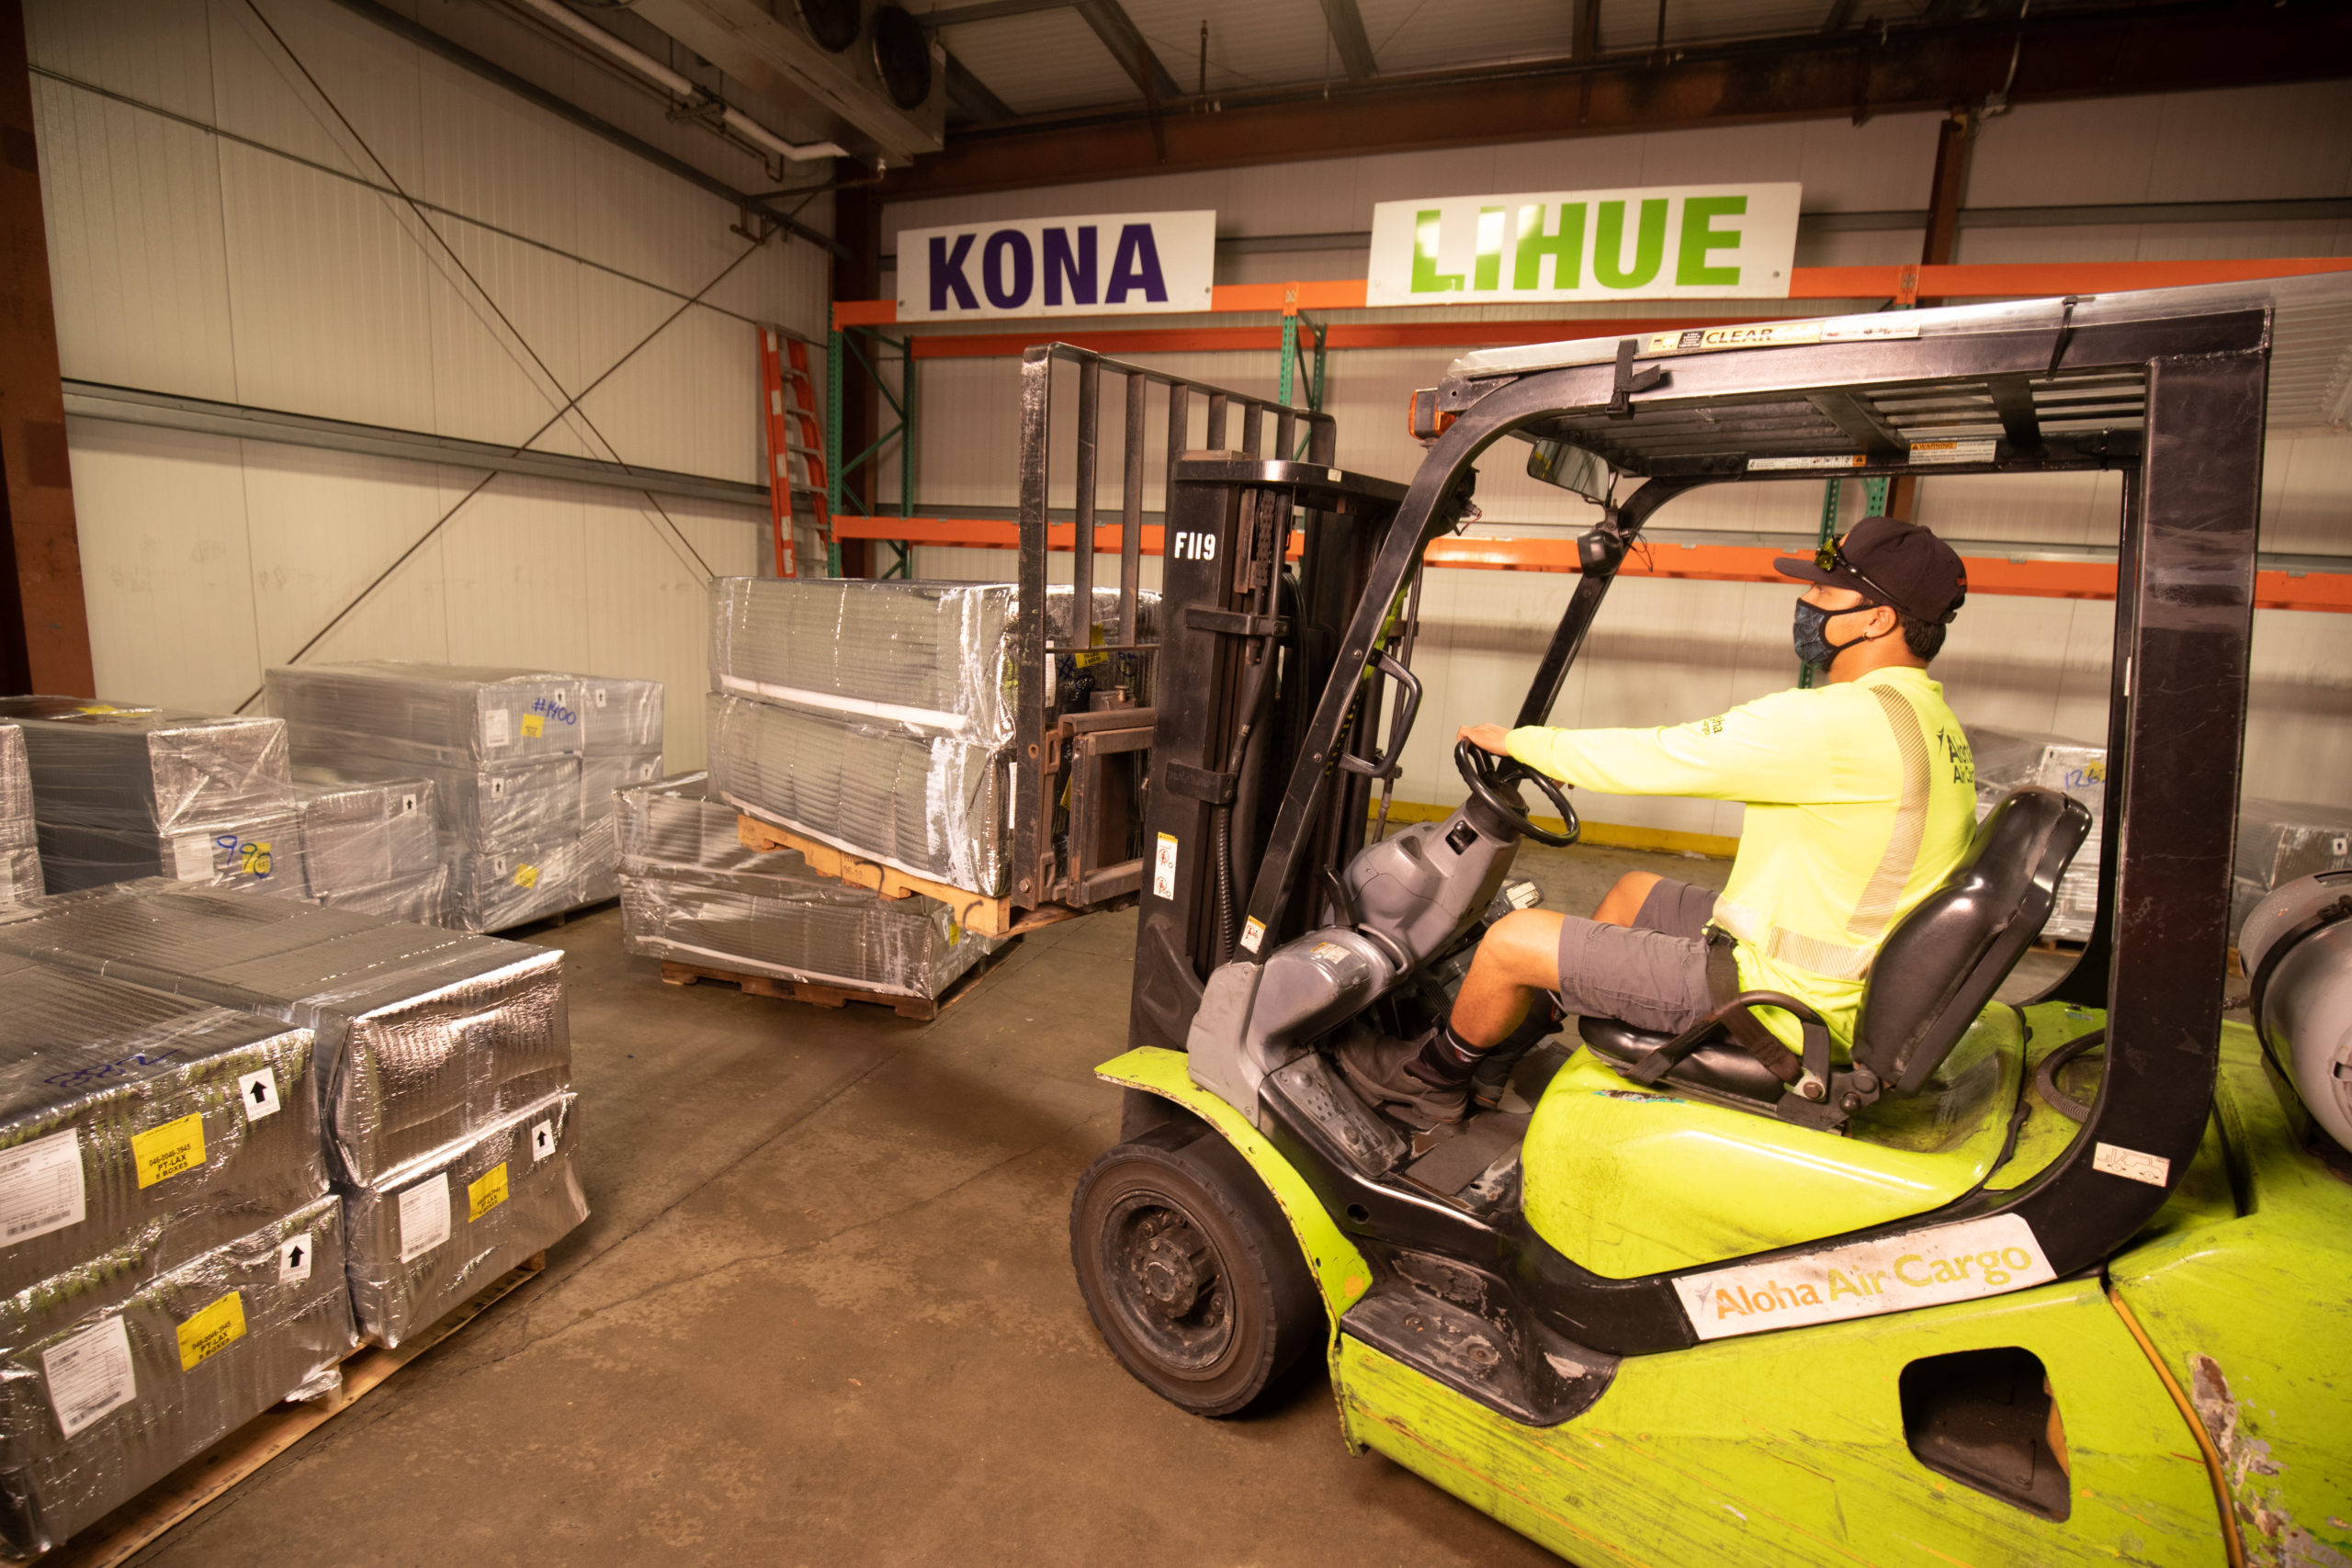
(1085, 660)
(486, 1195)
(211, 1331)
(955, 933)
(526, 877)
(534, 724)
(254, 859)
(166, 1151)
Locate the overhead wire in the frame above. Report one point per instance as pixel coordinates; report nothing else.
(572, 406)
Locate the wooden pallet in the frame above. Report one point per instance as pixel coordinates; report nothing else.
(137, 1524)
(989, 916)
(923, 1009)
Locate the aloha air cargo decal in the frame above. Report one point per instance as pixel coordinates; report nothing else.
(1923, 1268)
(1113, 264)
(1730, 241)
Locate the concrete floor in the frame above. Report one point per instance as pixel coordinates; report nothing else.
(822, 1313)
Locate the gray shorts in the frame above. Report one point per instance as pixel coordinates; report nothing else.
(1652, 973)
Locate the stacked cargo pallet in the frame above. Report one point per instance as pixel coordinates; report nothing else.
(373, 845)
(2008, 759)
(878, 718)
(694, 895)
(20, 843)
(237, 1137)
(523, 763)
(122, 791)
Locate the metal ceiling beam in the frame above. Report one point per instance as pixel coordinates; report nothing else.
(970, 94)
(2062, 55)
(989, 11)
(202, 416)
(1126, 41)
(1350, 39)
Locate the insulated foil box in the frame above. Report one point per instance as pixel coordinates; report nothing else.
(692, 893)
(931, 805)
(108, 765)
(264, 854)
(140, 1129)
(362, 833)
(2281, 841)
(428, 1237)
(488, 806)
(422, 899)
(491, 890)
(452, 716)
(429, 1036)
(2008, 759)
(123, 1393)
(19, 848)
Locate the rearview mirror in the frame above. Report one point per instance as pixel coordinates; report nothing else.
(1571, 468)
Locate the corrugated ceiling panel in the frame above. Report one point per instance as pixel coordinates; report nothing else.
(1048, 59)
(1249, 45)
(1633, 24)
(1429, 35)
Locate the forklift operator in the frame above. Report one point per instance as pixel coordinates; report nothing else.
(1860, 799)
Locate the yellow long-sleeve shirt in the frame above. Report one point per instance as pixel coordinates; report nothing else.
(1860, 798)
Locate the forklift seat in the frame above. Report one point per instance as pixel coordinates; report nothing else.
(1935, 971)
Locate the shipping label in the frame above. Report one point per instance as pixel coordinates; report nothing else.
(486, 1192)
(212, 1330)
(40, 1187)
(89, 1374)
(162, 1153)
(424, 1217)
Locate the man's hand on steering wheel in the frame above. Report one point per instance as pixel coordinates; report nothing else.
(1494, 778)
(1486, 737)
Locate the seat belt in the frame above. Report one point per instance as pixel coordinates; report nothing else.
(1747, 1031)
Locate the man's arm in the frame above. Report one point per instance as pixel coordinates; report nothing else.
(1772, 749)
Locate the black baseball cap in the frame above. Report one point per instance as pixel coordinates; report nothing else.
(1888, 562)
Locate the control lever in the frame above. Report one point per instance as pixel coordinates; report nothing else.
(1400, 729)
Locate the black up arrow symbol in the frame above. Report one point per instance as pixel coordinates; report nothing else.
(543, 1137)
(261, 1092)
(294, 1256)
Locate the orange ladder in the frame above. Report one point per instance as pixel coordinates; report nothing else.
(795, 446)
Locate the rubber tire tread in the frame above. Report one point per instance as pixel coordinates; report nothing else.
(1278, 1310)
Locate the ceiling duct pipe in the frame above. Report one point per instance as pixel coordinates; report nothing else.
(678, 87)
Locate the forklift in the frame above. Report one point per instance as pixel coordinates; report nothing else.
(2068, 1281)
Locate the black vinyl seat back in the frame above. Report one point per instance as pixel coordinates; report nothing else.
(1941, 963)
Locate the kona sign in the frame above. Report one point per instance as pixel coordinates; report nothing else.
(1665, 242)
(1122, 264)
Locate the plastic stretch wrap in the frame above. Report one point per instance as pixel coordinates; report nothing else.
(20, 875)
(619, 717)
(932, 657)
(452, 716)
(423, 899)
(932, 806)
(491, 890)
(430, 1036)
(2281, 841)
(489, 808)
(602, 777)
(103, 765)
(428, 1237)
(361, 833)
(600, 862)
(96, 1411)
(143, 1125)
(2008, 759)
(691, 893)
(16, 789)
(264, 854)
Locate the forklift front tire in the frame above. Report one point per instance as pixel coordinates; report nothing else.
(1191, 1273)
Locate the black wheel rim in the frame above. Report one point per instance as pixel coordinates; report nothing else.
(1166, 1282)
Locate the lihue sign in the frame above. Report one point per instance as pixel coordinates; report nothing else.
(1114, 265)
(1669, 241)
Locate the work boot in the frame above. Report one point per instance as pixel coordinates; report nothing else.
(1381, 1066)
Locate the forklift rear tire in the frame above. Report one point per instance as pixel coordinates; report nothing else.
(1191, 1273)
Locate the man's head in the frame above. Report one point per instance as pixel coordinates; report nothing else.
(1884, 571)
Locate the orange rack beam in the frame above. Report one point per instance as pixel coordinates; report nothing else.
(1993, 575)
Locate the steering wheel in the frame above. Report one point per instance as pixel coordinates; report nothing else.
(1496, 781)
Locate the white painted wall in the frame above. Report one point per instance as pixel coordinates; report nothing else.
(1667, 651)
(211, 237)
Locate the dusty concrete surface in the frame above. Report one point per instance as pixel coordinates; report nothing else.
(823, 1314)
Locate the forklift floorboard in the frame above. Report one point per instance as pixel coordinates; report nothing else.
(822, 1313)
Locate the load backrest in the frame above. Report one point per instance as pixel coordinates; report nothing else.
(1944, 960)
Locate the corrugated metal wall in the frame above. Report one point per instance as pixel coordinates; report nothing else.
(1667, 651)
(222, 226)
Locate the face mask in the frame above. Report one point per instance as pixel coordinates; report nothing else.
(1811, 635)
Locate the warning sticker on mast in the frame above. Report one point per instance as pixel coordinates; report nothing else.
(1923, 1268)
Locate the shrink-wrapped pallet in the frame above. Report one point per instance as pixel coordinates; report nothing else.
(148, 770)
(487, 807)
(430, 1036)
(2281, 841)
(691, 893)
(19, 848)
(140, 1125)
(427, 1237)
(2008, 759)
(359, 832)
(619, 716)
(113, 1394)
(491, 890)
(451, 715)
(423, 898)
(264, 854)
